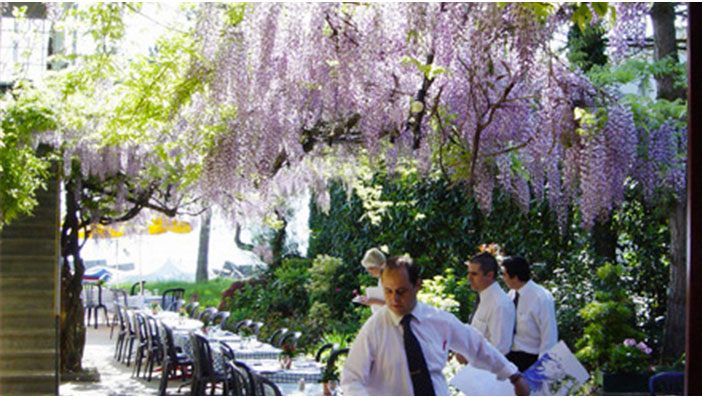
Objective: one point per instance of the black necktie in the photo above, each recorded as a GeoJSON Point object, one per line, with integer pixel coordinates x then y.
{"type": "Point", "coordinates": [516, 303]}
{"type": "Point", "coordinates": [419, 372]}
{"type": "Point", "coordinates": [475, 308]}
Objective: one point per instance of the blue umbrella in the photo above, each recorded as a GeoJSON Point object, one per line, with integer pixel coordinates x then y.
{"type": "Point", "coordinates": [97, 274]}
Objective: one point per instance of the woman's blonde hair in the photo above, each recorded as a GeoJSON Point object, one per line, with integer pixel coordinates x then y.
{"type": "Point", "coordinates": [373, 258]}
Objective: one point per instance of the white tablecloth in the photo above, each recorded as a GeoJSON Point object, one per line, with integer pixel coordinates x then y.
{"type": "Point", "coordinates": [142, 302]}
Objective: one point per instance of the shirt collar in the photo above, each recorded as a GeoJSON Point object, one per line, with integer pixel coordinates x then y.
{"type": "Point", "coordinates": [417, 313]}
{"type": "Point", "coordinates": [489, 290]}
{"type": "Point", "coordinates": [526, 287]}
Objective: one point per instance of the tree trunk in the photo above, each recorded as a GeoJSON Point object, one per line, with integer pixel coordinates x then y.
{"type": "Point", "coordinates": [674, 332]}
{"type": "Point", "coordinates": [72, 327]}
{"type": "Point", "coordinates": [663, 18]}
{"type": "Point", "coordinates": [204, 248]}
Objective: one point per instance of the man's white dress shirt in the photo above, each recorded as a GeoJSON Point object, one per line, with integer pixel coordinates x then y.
{"type": "Point", "coordinates": [377, 364]}
{"type": "Point", "coordinates": [495, 317]}
{"type": "Point", "coordinates": [537, 330]}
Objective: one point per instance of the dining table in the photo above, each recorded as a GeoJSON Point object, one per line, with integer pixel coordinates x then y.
{"type": "Point", "coordinates": [261, 357]}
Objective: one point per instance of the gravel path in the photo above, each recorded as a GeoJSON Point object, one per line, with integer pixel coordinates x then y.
{"type": "Point", "coordinates": [115, 377]}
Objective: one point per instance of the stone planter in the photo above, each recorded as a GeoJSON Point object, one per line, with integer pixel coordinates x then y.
{"type": "Point", "coordinates": [625, 382]}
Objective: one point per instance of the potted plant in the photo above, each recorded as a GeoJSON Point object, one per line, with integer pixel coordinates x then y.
{"type": "Point", "coordinates": [329, 378]}
{"type": "Point", "coordinates": [155, 307]}
{"type": "Point", "coordinates": [287, 355]}
{"type": "Point", "coordinates": [181, 315]}
{"type": "Point", "coordinates": [628, 368]}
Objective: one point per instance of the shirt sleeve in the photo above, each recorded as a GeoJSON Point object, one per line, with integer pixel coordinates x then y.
{"type": "Point", "coordinates": [547, 325]}
{"type": "Point", "coordinates": [501, 327]}
{"type": "Point", "coordinates": [471, 344]}
{"type": "Point", "coordinates": [356, 371]}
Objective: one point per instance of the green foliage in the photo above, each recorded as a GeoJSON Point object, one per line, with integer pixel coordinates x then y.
{"type": "Point", "coordinates": [586, 47]}
{"type": "Point", "coordinates": [22, 168]}
{"type": "Point", "coordinates": [629, 357]}
{"type": "Point", "coordinates": [208, 293]}
{"type": "Point", "coordinates": [289, 282]}
{"type": "Point", "coordinates": [644, 250]}
{"type": "Point", "coordinates": [610, 318]}
{"type": "Point", "coordinates": [434, 293]}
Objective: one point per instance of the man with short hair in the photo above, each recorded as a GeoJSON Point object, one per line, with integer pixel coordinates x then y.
{"type": "Point", "coordinates": [536, 330]}
{"type": "Point", "coordinates": [402, 349]}
{"type": "Point", "coordinates": [494, 315]}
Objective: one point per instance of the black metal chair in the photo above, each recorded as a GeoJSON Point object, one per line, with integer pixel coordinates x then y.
{"type": "Point", "coordinates": [142, 334]}
{"type": "Point", "coordinates": [154, 351]}
{"type": "Point", "coordinates": [137, 287]}
{"type": "Point", "coordinates": [267, 387]}
{"type": "Point", "coordinates": [255, 327]}
{"type": "Point", "coordinates": [242, 323]}
{"type": "Point", "coordinates": [220, 318]}
{"type": "Point", "coordinates": [319, 357]}
{"type": "Point", "coordinates": [252, 386]}
{"type": "Point", "coordinates": [290, 338]}
{"type": "Point", "coordinates": [191, 308]}
{"type": "Point", "coordinates": [227, 351]}
{"type": "Point", "coordinates": [334, 356]}
{"type": "Point", "coordinates": [171, 297]}
{"type": "Point", "coordinates": [667, 383]}
{"type": "Point", "coordinates": [131, 336]}
{"type": "Point", "coordinates": [206, 314]}
{"type": "Point", "coordinates": [172, 362]}
{"type": "Point", "coordinates": [274, 339]}
{"type": "Point", "coordinates": [119, 297]}
{"type": "Point", "coordinates": [93, 302]}
{"type": "Point", "coordinates": [238, 380]}
{"type": "Point", "coordinates": [203, 368]}
{"type": "Point", "coordinates": [123, 330]}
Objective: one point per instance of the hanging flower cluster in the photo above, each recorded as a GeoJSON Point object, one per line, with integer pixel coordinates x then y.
{"type": "Point", "coordinates": [470, 89]}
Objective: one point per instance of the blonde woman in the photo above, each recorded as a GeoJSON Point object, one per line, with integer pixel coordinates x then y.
{"type": "Point", "coordinates": [373, 261]}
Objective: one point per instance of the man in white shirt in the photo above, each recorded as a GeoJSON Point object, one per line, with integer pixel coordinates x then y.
{"type": "Point", "coordinates": [402, 349]}
{"type": "Point", "coordinates": [536, 330]}
{"type": "Point", "coordinates": [494, 316]}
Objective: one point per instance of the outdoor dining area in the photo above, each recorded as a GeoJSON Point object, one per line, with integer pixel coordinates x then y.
{"type": "Point", "coordinates": [189, 349]}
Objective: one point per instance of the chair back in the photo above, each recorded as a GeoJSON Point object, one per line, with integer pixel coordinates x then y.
{"type": "Point", "coordinates": [238, 380]}
{"type": "Point", "coordinates": [202, 356]}
{"type": "Point", "coordinates": [122, 317]}
{"type": "Point", "coordinates": [141, 329]}
{"type": "Point", "coordinates": [170, 298]}
{"type": "Point", "coordinates": [252, 388]}
{"type": "Point", "coordinates": [290, 338]}
{"type": "Point", "coordinates": [119, 297]}
{"type": "Point", "coordinates": [320, 352]}
{"type": "Point", "coordinates": [153, 335]}
{"type": "Point", "coordinates": [335, 356]}
{"type": "Point", "coordinates": [220, 318]}
{"type": "Point", "coordinates": [170, 343]}
{"type": "Point", "coordinates": [93, 294]}
{"type": "Point", "coordinates": [274, 339]}
{"type": "Point", "coordinates": [268, 388]}
{"type": "Point", "coordinates": [207, 314]}
{"type": "Point", "coordinates": [227, 351]}
{"type": "Point", "coordinates": [191, 308]}
{"type": "Point", "coordinates": [667, 383]}
{"type": "Point", "coordinates": [242, 323]}
{"type": "Point", "coordinates": [255, 327]}
{"type": "Point", "coordinates": [137, 287]}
